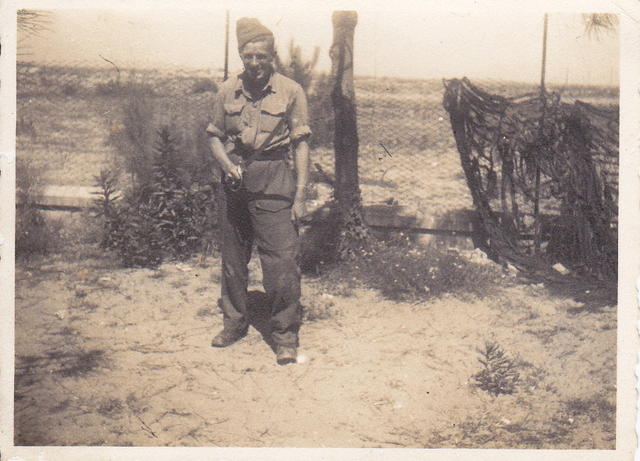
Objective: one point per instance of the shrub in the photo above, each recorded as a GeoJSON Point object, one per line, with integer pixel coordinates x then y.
{"type": "Point", "coordinates": [203, 85]}
{"type": "Point", "coordinates": [403, 272]}
{"type": "Point", "coordinates": [398, 268]}
{"type": "Point", "coordinates": [161, 218]}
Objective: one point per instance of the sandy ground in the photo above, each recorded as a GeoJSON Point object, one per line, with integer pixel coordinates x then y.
{"type": "Point", "coordinates": [113, 356]}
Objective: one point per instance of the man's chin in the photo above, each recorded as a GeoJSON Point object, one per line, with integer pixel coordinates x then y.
{"type": "Point", "coordinates": [259, 78]}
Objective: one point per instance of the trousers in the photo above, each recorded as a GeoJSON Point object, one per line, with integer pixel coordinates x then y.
{"type": "Point", "coordinates": [244, 222]}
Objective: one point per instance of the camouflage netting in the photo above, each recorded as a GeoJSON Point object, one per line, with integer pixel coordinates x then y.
{"type": "Point", "coordinates": [542, 174]}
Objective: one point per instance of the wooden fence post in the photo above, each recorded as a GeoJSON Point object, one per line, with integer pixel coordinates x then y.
{"type": "Point", "coordinates": [353, 232]}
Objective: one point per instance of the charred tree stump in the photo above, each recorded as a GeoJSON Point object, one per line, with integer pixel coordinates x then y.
{"type": "Point", "coordinates": [353, 234]}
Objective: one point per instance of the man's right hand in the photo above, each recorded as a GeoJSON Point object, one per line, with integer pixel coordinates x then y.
{"type": "Point", "coordinates": [234, 172]}
{"type": "Point", "coordinates": [231, 171]}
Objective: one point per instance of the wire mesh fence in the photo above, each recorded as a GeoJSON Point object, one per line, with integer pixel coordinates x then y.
{"type": "Point", "coordinates": [70, 117]}
{"type": "Point", "coordinates": [407, 152]}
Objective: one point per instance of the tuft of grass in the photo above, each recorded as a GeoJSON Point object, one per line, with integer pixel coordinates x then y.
{"type": "Point", "coordinates": [206, 312]}
{"type": "Point", "coordinates": [111, 407]}
{"type": "Point", "coordinates": [83, 363]}
{"type": "Point", "coordinates": [319, 308]}
{"type": "Point", "coordinates": [499, 374]}
{"type": "Point", "coordinates": [595, 408]}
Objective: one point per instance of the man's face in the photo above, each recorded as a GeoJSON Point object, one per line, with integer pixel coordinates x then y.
{"type": "Point", "coordinates": [257, 58]}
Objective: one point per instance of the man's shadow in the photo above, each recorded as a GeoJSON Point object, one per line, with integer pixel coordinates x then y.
{"type": "Point", "coordinates": [259, 315]}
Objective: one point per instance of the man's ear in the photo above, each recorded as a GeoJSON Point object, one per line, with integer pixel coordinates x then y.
{"type": "Point", "coordinates": [276, 63]}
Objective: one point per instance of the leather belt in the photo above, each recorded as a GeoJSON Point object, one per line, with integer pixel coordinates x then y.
{"type": "Point", "coordinates": [277, 154]}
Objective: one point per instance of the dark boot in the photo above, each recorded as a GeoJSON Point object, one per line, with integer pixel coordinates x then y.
{"type": "Point", "coordinates": [227, 338]}
{"type": "Point", "coordinates": [286, 355]}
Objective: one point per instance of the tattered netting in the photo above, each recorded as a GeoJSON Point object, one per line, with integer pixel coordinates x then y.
{"type": "Point", "coordinates": [543, 175]}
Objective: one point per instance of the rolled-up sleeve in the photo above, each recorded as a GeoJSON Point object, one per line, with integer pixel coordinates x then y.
{"type": "Point", "coordinates": [299, 115]}
{"type": "Point", "coordinates": [216, 121]}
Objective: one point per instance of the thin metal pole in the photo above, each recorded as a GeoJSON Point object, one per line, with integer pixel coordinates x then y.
{"type": "Point", "coordinates": [536, 203]}
{"type": "Point", "coordinates": [544, 52]}
{"type": "Point", "coordinates": [226, 47]}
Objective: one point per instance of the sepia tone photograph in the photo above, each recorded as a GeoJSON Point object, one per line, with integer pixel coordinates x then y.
{"type": "Point", "coordinates": [317, 227]}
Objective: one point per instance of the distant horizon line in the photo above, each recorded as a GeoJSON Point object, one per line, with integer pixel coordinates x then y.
{"type": "Point", "coordinates": [220, 71]}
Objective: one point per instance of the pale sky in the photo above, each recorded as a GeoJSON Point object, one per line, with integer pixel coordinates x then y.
{"type": "Point", "coordinates": [411, 43]}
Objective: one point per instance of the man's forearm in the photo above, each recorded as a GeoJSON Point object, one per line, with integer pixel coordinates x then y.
{"type": "Point", "coordinates": [219, 153]}
{"type": "Point", "coordinates": [301, 163]}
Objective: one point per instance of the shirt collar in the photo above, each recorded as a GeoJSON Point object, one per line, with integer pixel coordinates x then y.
{"type": "Point", "coordinates": [269, 87]}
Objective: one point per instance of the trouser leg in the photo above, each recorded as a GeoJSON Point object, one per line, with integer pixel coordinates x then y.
{"type": "Point", "coordinates": [237, 240]}
{"type": "Point", "coordinates": [278, 246]}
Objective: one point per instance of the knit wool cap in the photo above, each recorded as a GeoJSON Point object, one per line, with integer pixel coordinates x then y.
{"type": "Point", "coordinates": [248, 29]}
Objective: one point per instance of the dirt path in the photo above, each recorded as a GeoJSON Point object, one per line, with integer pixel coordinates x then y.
{"type": "Point", "coordinates": [122, 357]}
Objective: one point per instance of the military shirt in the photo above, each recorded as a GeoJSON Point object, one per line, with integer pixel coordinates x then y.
{"type": "Point", "coordinates": [248, 122]}
{"type": "Point", "coordinates": [267, 123]}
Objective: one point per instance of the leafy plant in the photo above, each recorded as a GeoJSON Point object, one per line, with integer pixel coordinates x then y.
{"type": "Point", "coordinates": [162, 218]}
{"type": "Point", "coordinates": [499, 374]}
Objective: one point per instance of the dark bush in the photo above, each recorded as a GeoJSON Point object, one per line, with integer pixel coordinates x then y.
{"type": "Point", "coordinates": [164, 217]}
{"type": "Point", "coordinates": [400, 269]}
{"type": "Point", "coordinates": [406, 272]}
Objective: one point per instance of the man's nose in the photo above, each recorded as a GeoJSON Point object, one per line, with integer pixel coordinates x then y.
{"type": "Point", "coordinates": [253, 61]}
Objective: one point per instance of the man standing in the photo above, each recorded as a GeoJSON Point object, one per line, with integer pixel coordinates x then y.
{"type": "Point", "coordinates": [258, 117]}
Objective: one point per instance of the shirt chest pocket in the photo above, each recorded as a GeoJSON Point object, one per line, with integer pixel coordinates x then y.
{"type": "Point", "coordinates": [233, 117]}
{"type": "Point", "coordinates": [272, 113]}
